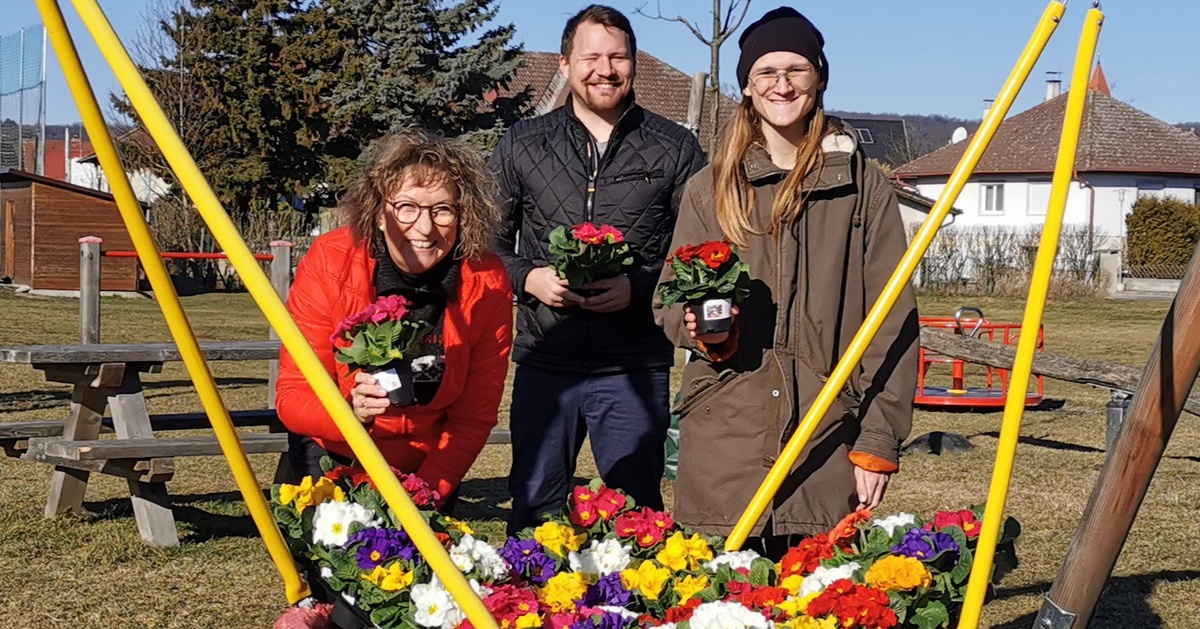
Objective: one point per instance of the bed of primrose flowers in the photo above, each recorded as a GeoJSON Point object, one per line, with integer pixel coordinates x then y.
{"type": "Point", "coordinates": [607, 564]}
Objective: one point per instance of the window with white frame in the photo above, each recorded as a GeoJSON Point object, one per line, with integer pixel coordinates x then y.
{"type": "Point", "coordinates": [992, 201]}
{"type": "Point", "coordinates": [864, 135]}
{"type": "Point", "coordinates": [1039, 197]}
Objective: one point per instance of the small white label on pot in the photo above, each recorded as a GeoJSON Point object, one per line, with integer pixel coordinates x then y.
{"type": "Point", "coordinates": [716, 309]}
{"type": "Point", "coordinates": [388, 379]}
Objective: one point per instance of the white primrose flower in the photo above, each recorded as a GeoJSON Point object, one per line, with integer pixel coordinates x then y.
{"type": "Point", "coordinates": [435, 607]}
{"type": "Point", "coordinates": [735, 560]}
{"type": "Point", "coordinates": [331, 521]}
{"type": "Point", "coordinates": [822, 577]}
{"type": "Point", "coordinates": [471, 554]}
{"type": "Point", "coordinates": [600, 559]}
{"type": "Point", "coordinates": [432, 603]}
{"type": "Point", "coordinates": [893, 522]}
{"type": "Point", "coordinates": [613, 609]}
{"type": "Point", "coordinates": [727, 615]}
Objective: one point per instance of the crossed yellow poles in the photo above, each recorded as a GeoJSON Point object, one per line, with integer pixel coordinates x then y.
{"type": "Point", "coordinates": [227, 236]}
{"type": "Point", "coordinates": [260, 289]}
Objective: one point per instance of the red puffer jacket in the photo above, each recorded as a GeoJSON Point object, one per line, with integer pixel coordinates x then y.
{"type": "Point", "coordinates": [441, 440]}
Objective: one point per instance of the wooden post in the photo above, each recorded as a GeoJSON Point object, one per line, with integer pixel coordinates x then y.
{"type": "Point", "coordinates": [89, 290]}
{"type": "Point", "coordinates": [1168, 378]}
{"type": "Point", "coordinates": [68, 485]}
{"type": "Point", "coordinates": [151, 502]}
{"type": "Point", "coordinates": [1114, 414]}
{"type": "Point", "coordinates": [696, 102]}
{"type": "Point", "coordinates": [281, 279]}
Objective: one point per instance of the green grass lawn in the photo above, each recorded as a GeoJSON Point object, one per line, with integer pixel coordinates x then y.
{"type": "Point", "coordinates": [95, 571]}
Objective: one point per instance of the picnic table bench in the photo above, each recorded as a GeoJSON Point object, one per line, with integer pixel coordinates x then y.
{"type": "Point", "coordinates": [108, 378]}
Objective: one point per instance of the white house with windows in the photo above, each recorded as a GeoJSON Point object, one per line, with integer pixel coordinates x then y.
{"type": "Point", "coordinates": [1123, 153]}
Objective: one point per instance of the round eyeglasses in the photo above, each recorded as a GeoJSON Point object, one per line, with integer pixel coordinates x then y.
{"type": "Point", "coordinates": [766, 79]}
{"type": "Point", "coordinates": [407, 213]}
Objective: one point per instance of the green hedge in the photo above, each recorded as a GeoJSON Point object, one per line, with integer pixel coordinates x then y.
{"type": "Point", "coordinates": [1161, 231]}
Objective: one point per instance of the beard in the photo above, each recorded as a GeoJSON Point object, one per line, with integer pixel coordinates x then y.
{"type": "Point", "coordinates": [598, 100]}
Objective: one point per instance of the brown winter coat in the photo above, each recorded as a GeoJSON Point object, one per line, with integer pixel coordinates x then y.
{"type": "Point", "coordinates": [811, 289]}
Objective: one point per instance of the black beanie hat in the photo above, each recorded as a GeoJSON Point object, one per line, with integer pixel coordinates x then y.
{"type": "Point", "coordinates": [782, 29]}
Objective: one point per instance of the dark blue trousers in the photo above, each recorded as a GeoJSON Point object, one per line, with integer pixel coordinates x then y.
{"type": "Point", "coordinates": [627, 416]}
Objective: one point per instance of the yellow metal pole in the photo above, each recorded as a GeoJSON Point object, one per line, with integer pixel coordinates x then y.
{"type": "Point", "coordinates": [1039, 286]}
{"type": "Point", "coordinates": [226, 234]}
{"type": "Point", "coordinates": [177, 321]}
{"type": "Point", "coordinates": [903, 273]}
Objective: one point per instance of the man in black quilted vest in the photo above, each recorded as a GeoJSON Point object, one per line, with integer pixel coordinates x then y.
{"type": "Point", "coordinates": [593, 365]}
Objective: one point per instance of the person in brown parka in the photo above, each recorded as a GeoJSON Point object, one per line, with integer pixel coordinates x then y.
{"type": "Point", "coordinates": [821, 231]}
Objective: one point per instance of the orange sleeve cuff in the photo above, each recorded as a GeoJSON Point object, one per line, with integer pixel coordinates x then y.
{"type": "Point", "coordinates": [872, 463]}
{"type": "Point", "coordinates": [722, 351]}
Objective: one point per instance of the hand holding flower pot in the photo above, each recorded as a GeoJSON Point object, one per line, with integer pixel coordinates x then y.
{"type": "Point", "coordinates": [587, 253]}
{"type": "Point", "coordinates": [710, 279]}
{"type": "Point", "coordinates": [382, 342]}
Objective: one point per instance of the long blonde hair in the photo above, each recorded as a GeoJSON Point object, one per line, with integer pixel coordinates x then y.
{"type": "Point", "coordinates": [734, 194]}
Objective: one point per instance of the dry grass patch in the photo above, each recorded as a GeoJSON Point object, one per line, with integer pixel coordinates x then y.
{"type": "Point", "coordinates": [95, 572]}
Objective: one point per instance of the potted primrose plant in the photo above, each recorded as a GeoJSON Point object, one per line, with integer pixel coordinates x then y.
{"type": "Point", "coordinates": [709, 278]}
{"type": "Point", "coordinates": [588, 252]}
{"type": "Point", "coordinates": [382, 341]}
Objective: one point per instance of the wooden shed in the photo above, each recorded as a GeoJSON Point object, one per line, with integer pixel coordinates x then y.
{"type": "Point", "coordinates": [43, 220]}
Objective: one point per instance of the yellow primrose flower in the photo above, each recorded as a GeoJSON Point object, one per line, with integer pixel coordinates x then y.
{"type": "Point", "coordinates": [529, 621]}
{"type": "Point", "coordinates": [793, 606]}
{"type": "Point", "coordinates": [390, 579]}
{"type": "Point", "coordinates": [808, 622]}
{"type": "Point", "coordinates": [555, 537]}
{"type": "Point", "coordinates": [648, 579]}
{"type": "Point", "coordinates": [792, 583]}
{"type": "Point", "coordinates": [896, 572]}
{"type": "Point", "coordinates": [458, 525]}
{"type": "Point", "coordinates": [674, 554]}
{"type": "Point", "coordinates": [689, 586]}
{"type": "Point", "coordinates": [698, 550]}
{"type": "Point", "coordinates": [562, 590]}
{"type": "Point", "coordinates": [307, 494]}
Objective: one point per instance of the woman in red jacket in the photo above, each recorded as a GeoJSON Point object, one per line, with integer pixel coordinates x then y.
{"type": "Point", "coordinates": [419, 224]}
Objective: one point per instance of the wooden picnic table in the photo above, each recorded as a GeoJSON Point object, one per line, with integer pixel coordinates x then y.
{"type": "Point", "coordinates": [108, 378]}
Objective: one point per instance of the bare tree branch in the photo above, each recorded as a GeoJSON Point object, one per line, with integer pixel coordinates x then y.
{"type": "Point", "coordinates": [678, 18]}
{"type": "Point", "coordinates": [729, 26]}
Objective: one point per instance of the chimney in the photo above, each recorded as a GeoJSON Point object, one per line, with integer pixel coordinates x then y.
{"type": "Point", "coordinates": [987, 106]}
{"type": "Point", "coordinates": [1053, 85]}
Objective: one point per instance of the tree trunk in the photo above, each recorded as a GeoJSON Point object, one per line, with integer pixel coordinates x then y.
{"type": "Point", "coordinates": [714, 74]}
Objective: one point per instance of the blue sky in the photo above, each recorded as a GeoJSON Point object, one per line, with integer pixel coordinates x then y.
{"type": "Point", "coordinates": [918, 56]}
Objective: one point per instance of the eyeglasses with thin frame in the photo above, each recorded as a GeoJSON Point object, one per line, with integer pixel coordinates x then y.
{"type": "Point", "coordinates": [768, 78]}
{"type": "Point", "coordinates": [407, 212]}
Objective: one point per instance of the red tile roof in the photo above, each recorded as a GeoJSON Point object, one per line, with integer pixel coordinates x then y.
{"type": "Point", "coordinates": [1115, 137]}
{"type": "Point", "coordinates": [1099, 82]}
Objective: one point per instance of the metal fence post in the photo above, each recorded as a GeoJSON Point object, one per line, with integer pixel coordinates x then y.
{"type": "Point", "coordinates": [89, 290]}
{"type": "Point", "coordinates": [281, 279]}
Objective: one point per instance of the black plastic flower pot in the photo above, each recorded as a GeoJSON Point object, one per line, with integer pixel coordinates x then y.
{"type": "Point", "coordinates": [397, 378]}
{"type": "Point", "coordinates": [713, 314]}
{"type": "Point", "coordinates": [344, 615]}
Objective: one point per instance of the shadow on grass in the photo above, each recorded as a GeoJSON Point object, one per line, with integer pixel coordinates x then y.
{"type": "Point", "coordinates": [37, 399]}
{"type": "Point", "coordinates": [1122, 604]}
{"type": "Point", "coordinates": [1053, 444]}
{"type": "Point", "coordinates": [481, 498]}
{"type": "Point", "coordinates": [196, 525]}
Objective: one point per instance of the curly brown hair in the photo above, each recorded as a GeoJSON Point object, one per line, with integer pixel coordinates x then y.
{"type": "Point", "coordinates": [420, 158]}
